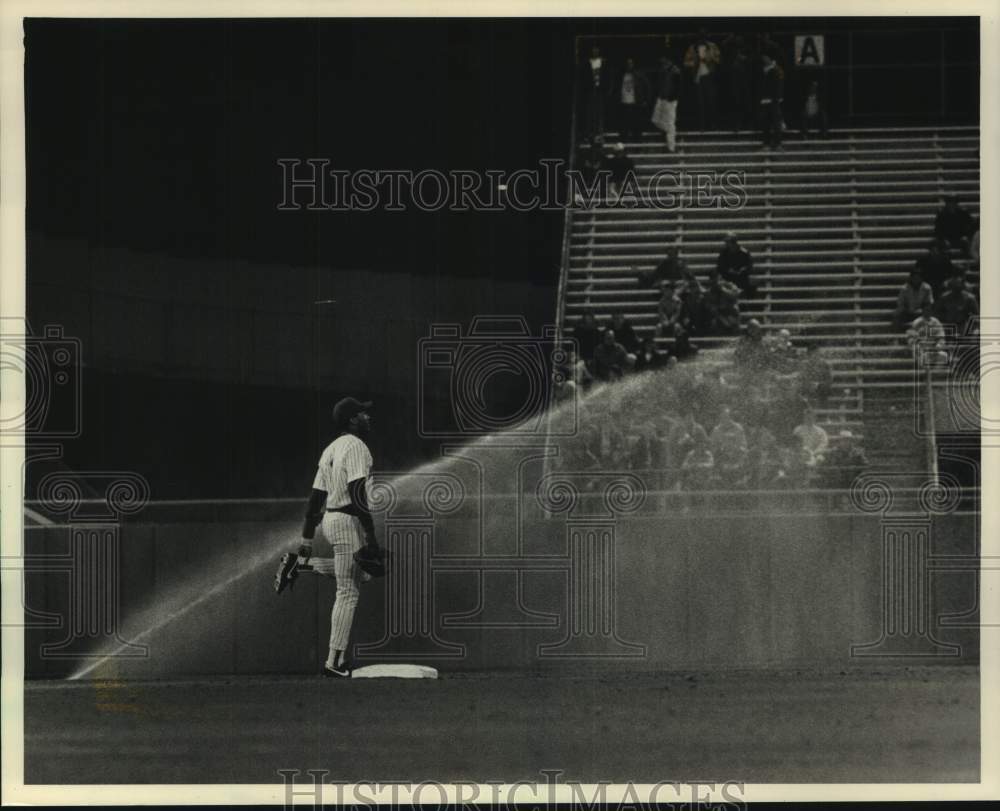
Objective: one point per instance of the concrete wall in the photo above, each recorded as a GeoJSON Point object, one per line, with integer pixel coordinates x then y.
{"type": "Point", "coordinates": [690, 591]}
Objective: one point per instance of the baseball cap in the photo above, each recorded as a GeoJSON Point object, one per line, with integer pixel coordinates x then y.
{"type": "Point", "coordinates": [347, 408]}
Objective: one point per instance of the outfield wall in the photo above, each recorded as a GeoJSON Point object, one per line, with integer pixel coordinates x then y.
{"type": "Point", "coordinates": [672, 592]}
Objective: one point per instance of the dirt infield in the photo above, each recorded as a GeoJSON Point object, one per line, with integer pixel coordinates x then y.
{"type": "Point", "coordinates": [914, 725]}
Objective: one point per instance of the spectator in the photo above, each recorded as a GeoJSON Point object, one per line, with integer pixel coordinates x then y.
{"type": "Point", "coordinates": [670, 269]}
{"type": "Point", "coordinates": [957, 307]}
{"type": "Point", "coordinates": [926, 337]}
{"type": "Point", "coordinates": [815, 377]}
{"type": "Point", "coordinates": [610, 358]}
{"type": "Point", "coordinates": [632, 91]}
{"type": "Point", "coordinates": [624, 333]}
{"type": "Point", "coordinates": [735, 264]}
{"type": "Point", "coordinates": [729, 448]}
{"type": "Point", "coordinates": [669, 310]}
{"type": "Point", "coordinates": [768, 469]}
{"type": "Point", "coordinates": [974, 243]}
{"type": "Point", "coordinates": [722, 306]}
{"type": "Point", "coordinates": [682, 348]}
{"type": "Point", "coordinates": [953, 225]}
{"type": "Point", "coordinates": [844, 462]}
{"type": "Point", "coordinates": [737, 66]}
{"type": "Point", "coordinates": [682, 439]}
{"type": "Point", "coordinates": [813, 440]}
{"type": "Point", "coordinates": [597, 85]}
{"type": "Point", "coordinates": [668, 82]}
{"type": "Point", "coordinates": [586, 335]}
{"type": "Point", "coordinates": [649, 357]}
{"type": "Point", "coordinates": [813, 112]}
{"type": "Point", "coordinates": [935, 267]}
{"type": "Point", "coordinates": [914, 295]}
{"type": "Point", "coordinates": [702, 61]}
{"type": "Point", "coordinates": [771, 95]}
{"type": "Point", "coordinates": [781, 355]}
{"type": "Point", "coordinates": [750, 352]}
{"type": "Point", "coordinates": [697, 467]}
{"type": "Point", "coordinates": [574, 370]}
{"type": "Point", "coordinates": [692, 305]}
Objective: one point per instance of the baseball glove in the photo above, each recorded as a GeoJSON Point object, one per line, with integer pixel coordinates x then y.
{"type": "Point", "coordinates": [372, 560]}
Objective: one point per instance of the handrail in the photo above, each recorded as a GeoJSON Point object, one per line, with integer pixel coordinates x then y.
{"type": "Point", "coordinates": [567, 222]}
{"type": "Point", "coordinates": [930, 429]}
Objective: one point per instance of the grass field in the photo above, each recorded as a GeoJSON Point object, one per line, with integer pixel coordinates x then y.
{"type": "Point", "coordinates": [912, 725]}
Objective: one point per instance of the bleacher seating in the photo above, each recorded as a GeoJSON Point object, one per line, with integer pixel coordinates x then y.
{"type": "Point", "coordinates": [834, 225]}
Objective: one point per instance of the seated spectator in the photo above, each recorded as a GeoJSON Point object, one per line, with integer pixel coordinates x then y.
{"type": "Point", "coordinates": [914, 295]}
{"type": "Point", "coordinates": [692, 305]}
{"type": "Point", "coordinates": [682, 348]}
{"type": "Point", "coordinates": [813, 112]}
{"type": "Point", "coordinates": [644, 447]}
{"type": "Point", "coordinates": [926, 337]}
{"type": "Point", "coordinates": [649, 357]}
{"type": "Point", "coordinates": [574, 370]}
{"type": "Point", "coordinates": [697, 467]}
{"type": "Point", "coordinates": [735, 265]}
{"type": "Point", "coordinates": [935, 267]}
{"type": "Point", "coordinates": [953, 225]}
{"type": "Point", "coordinates": [624, 333]}
{"type": "Point", "coordinates": [767, 465]}
{"type": "Point", "coordinates": [610, 358]}
{"type": "Point", "coordinates": [722, 306]}
{"type": "Point", "coordinates": [682, 439]}
{"type": "Point", "coordinates": [671, 269]}
{"type": "Point", "coordinates": [813, 440]}
{"type": "Point", "coordinates": [844, 462]}
{"type": "Point", "coordinates": [586, 334]}
{"type": "Point", "coordinates": [669, 310]}
{"type": "Point", "coordinates": [750, 353]}
{"type": "Point", "coordinates": [728, 444]}
{"type": "Point", "coordinates": [815, 377]}
{"type": "Point", "coordinates": [957, 307]}
{"type": "Point", "coordinates": [782, 356]}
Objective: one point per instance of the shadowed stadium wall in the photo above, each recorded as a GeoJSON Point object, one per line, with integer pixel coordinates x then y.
{"type": "Point", "coordinates": [694, 591]}
{"type": "Point", "coordinates": [217, 379]}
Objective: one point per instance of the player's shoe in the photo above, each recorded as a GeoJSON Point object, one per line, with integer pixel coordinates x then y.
{"type": "Point", "coordinates": [337, 671]}
{"type": "Point", "coordinates": [288, 570]}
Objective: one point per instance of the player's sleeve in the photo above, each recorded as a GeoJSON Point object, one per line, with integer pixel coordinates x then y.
{"type": "Point", "coordinates": [317, 500]}
{"type": "Point", "coordinates": [357, 461]}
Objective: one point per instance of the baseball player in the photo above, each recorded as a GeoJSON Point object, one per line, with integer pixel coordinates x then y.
{"type": "Point", "coordinates": [340, 500]}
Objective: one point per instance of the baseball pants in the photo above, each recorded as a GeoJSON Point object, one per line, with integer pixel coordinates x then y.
{"type": "Point", "coordinates": [345, 536]}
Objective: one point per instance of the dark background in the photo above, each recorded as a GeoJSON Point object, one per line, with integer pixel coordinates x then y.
{"type": "Point", "coordinates": [154, 236]}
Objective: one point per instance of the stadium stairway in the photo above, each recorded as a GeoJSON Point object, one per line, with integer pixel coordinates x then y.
{"type": "Point", "coordinates": [834, 225]}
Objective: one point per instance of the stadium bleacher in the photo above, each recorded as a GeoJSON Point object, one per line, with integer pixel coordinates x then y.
{"type": "Point", "coordinates": [834, 225]}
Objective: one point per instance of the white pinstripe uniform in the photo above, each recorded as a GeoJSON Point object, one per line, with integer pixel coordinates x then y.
{"type": "Point", "coordinates": [345, 460]}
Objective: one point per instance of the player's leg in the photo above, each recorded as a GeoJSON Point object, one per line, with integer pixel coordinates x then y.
{"type": "Point", "coordinates": [344, 533]}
